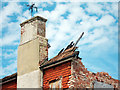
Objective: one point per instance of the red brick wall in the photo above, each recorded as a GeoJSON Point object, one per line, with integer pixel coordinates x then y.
{"type": "Point", "coordinates": [82, 78]}
{"type": "Point", "coordinates": [54, 73]}
{"type": "Point", "coordinates": [10, 85]}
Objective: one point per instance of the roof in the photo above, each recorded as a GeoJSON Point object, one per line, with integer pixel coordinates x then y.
{"type": "Point", "coordinates": [9, 78]}
{"type": "Point", "coordinates": [60, 57]}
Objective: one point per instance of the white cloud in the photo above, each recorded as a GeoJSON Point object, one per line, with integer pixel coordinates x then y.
{"type": "Point", "coordinates": [11, 29]}
{"type": "Point", "coordinates": [9, 69]}
{"type": "Point", "coordinates": [114, 9]}
{"type": "Point", "coordinates": [26, 14]}
{"type": "Point", "coordinates": [105, 20]}
{"type": "Point", "coordinates": [59, 31]}
{"type": "Point", "coordinates": [12, 54]}
{"type": "Point", "coordinates": [94, 8]}
{"type": "Point", "coordinates": [50, 2]}
{"type": "Point", "coordinates": [11, 8]}
{"type": "Point", "coordinates": [61, 1]}
{"type": "Point", "coordinates": [11, 35]}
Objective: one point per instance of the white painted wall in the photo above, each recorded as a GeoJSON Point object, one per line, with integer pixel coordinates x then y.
{"type": "Point", "coordinates": [30, 80]}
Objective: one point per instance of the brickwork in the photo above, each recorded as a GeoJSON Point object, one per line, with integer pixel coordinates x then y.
{"type": "Point", "coordinates": [10, 85]}
{"type": "Point", "coordinates": [41, 29]}
{"type": "Point", "coordinates": [43, 48]}
{"type": "Point", "coordinates": [82, 78]}
{"type": "Point", "coordinates": [59, 72]}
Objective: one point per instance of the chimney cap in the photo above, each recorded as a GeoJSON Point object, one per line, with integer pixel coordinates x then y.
{"type": "Point", "coordinates": [33, 19]}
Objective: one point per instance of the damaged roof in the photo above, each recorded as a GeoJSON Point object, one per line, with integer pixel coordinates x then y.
{"type": "Point", "coordinates": [68, 53]}
{"type": "Point", "coordinates": [63, 54]}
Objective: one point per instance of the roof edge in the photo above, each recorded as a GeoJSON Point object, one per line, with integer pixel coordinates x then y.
{"type": "Point", "coordinates": [8, 78]}
{"type": "Point", "coordinates": [61, 60]}
{"type": "Point", "coordinates": [33, 19]}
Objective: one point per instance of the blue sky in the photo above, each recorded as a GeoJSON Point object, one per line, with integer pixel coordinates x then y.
{"type": "Point", "coordinates": [66, 21]}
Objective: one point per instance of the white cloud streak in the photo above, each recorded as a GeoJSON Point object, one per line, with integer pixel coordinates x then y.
{"type": "Point", "coordinates": [61, 1]}
{"type": "Point", "coordinates": [9, 69]}
{"type": "Point", "coordinates": [7, 11]}
{"type": "Point", "coordinates": [9, 55]}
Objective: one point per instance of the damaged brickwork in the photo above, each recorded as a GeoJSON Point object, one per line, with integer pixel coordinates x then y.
{"type": "Point", "coordinates": [82, 78]}
{"type": "Point", "coordinates": [43, 48]}
{"type": "Point", "coordinates": [74, 75]}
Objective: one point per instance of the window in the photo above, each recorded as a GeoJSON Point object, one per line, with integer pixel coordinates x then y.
{"type": "Point", "coordinates": [55, 85]}
{"type": "Point", "coordinates": [102, 85]}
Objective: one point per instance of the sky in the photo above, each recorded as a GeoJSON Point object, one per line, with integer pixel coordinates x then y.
{"type": "Point", "coordinates": [66, 21]}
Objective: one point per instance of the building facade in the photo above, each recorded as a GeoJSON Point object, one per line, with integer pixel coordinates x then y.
{"type": "Point", "coordinates": [65, 70]}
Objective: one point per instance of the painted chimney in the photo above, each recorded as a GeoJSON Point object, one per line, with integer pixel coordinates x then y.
{"type": "Point", "coordinates": [32, 50]}
{"type": "Point", "coordinates": [32, 28]}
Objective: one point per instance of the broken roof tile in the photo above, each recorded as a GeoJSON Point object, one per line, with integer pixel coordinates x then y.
{"type": "Point", "coordinates": [60, 56]}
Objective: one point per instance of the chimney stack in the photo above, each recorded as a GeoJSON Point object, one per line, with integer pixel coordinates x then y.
{"type": "Point", "coordinates": [32, 28]}
{"type": "Point", "coordinates": [32, 49]}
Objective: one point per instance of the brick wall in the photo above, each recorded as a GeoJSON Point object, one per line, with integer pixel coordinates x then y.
{"type": "Point", "coordinates": [10, 85]}
{"type": "Point", "coordinates": [59, 72]}
{"type": "Point", "coordinates": [82, 78]}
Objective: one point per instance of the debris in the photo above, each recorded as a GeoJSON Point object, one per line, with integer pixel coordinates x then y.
{"type": "Point", "coordinates": [61, 51]}
{"type": "Point", "coordinates": [70, 45]}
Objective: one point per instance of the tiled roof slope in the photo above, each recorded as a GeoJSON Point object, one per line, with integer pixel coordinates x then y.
{"type": "Point", "coordinates": [8, 78]}
{"type": "Point", "coordinates": [66, 53]}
